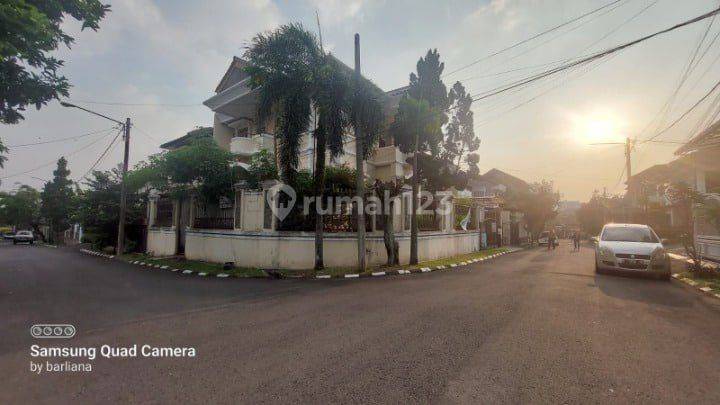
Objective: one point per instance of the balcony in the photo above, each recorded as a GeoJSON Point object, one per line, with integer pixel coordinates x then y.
{"type": "Point", "coordinates": [247, 146]}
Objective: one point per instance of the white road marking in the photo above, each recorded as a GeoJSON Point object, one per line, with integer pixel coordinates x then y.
{"type": "Point", "coordinates": [220, 275]}
{"type": "Point", "coordinates": [352, 275]}
{"type": "Point", "coordinates": [378, 273]}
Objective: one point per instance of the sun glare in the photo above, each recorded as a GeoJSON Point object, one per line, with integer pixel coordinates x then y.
{"type": "Point", "coordinates": [596, 128]}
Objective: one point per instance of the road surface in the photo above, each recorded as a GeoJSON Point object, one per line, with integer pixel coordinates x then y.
{"type": "Point", "coordinates": [533, 326]}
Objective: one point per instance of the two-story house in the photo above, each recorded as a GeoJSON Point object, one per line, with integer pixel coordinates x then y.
{"type": "Point", "coordinates": [236, 128]}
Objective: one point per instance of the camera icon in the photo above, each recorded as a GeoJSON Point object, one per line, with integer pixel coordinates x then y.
{"type": "Point", "coordinates": [52, 331]}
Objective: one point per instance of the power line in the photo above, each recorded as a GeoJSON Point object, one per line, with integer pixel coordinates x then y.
{"type": "Point", "coordinates": [661, 116]}
{"type": "Point", "coordinates": [515, 45]}
{"type": "Point", "coordinates": [54, 161]}
{"type": "Point", "coordinates": [688, 111]}
{"type": "Point", "coordinates": [592, 57]}
{"type": "Point", "coordinates": [102, 155]}
{"type": "Point", "coordinates": [136, 104]}
{"type": "Point", "coordinates": [62, 139]}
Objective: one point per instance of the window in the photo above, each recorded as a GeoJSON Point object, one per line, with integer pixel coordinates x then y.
{"type": "Point", "coordinates": [243, 132]}
{"type": "Point", "coordinates": [623, 234]}
{"type": "Point", "coordinates": [164, 213]}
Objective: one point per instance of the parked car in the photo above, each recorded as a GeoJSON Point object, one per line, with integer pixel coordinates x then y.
{"type": "Point", "coordinates": [544, 237]}
{"type": "Point", "coordinates": [631, 248]}
{"type": "Point", "coordinates": [24, 237]}
{"type": "Point", "coordinates": [8, 236]}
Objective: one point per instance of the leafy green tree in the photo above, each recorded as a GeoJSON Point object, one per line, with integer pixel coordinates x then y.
{"type": "Point", "coordinates": [415, 131]}
{"type": "Point", "coordinates": [428, 102]}
{"type": "Point", "coordinates": [20, 208]}
{"type": "Point", "coordinates": [539, 204]}
{"type": "Point", "coordinates": [58, 199]}
{"type": "Point", "coordinates": [201, 166]}
{"type": "Point", "coordinates": [30, 31]}
{"type": "Point", "coordinates": [427, 85]}
{"type": "Point", "coordinates": [460, 133]}
{"type": "Point", "coordinates": [98, 209]}
{"type": "Point", "coordinates": [294, 78]}
{"type": "Point", "coordinates": [472, 161]}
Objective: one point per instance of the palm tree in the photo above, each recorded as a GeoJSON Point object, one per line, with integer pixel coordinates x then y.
{"type": "Point", "coordinates": [294, 77]}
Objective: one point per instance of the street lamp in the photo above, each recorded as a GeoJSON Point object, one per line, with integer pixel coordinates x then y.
{"type": "Point", "coordinates": [123, 199]}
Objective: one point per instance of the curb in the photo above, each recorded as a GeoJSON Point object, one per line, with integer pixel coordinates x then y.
{"type": "Point", "coordinates": [693, 284]}
{"type": "Point", "coordinates": [459, 266]}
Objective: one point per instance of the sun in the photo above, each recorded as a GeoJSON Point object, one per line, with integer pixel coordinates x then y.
{"type": "Point", "coordinates": [596, 128]}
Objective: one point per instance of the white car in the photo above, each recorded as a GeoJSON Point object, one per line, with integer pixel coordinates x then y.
{"type": "Point", "coordinates": [631, 248]}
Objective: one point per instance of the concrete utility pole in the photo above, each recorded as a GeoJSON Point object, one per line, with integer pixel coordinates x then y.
{"type": "Point", "coordinates": [126, 135]}
{"type": "Point", "coordinates": [628, 149]}
{"type": "Point", "coordinates": [360, 172]}
{"type": "Point", "coordinates": [123, 191]}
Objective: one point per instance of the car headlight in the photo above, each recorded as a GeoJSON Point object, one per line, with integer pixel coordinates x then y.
{"type": "Point", "coordinates": [606, 253]}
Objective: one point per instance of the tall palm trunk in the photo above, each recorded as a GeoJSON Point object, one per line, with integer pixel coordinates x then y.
{"type": "Point", "coordinates": [319, 192]}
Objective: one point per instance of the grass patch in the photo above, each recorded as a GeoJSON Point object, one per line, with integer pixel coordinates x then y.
{"type": "Point", "coordinates": [704, 281]}
{"type": "Point", "coordinates": [341, 271]}
{"type": "Point", "coordinates": [195, 265]}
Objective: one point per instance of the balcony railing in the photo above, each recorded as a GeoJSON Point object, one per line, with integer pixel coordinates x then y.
{"type": "Point", "coordinates": [249, 145]}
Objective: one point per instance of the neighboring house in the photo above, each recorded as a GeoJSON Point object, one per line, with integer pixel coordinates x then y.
{"type": "Point", "coordinates": [648, 201]}
{"type": "Point", "coordinates": [237, 128]}
{"type": "Point", "coordinates": [244, 230]}
{"type": "Point", "coordinates": [503, 224]}
{"type": "Point", "coordinates": [702, 153]}
{"type": "Point", "coordinates": [187, 139]}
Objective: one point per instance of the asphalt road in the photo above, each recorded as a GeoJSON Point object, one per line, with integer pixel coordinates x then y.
{"type": "Point", "coordinates": [533, 326]}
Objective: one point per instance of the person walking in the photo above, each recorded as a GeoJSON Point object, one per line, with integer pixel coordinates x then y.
{"type": "Point", "coordinates": [576, 241]}
{"type": "Point", "coordinates": [552, 237]}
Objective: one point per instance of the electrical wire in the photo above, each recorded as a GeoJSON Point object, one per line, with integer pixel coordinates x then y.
{"type": "Point", "coordinates": [683, 115]}
{"type": "Point", "coordinates": [55, 160]}
{"type": "Point", "coordinates": [515, 45]}
{"type": "Point", "coordinates": [598, 55]}
{"type": "Point", "coordinates": [62, 139]}
{"type": "Point", "coordinates": [102, 155]}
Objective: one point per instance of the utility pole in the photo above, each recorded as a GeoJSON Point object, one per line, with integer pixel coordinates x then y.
{"type": "Point", "coordinates": [628, 149]}
{"type": "Point", "coordinates": [123, 190]}
{"type": "Point", "coordinates": [360, 172]}
{"type": "Point", "coordinates": [629, 146]}
{"type": "Point", "coordinates": [123, 200]}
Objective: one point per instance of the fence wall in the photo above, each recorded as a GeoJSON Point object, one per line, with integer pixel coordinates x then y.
{"type": "Point", "coordinates": [161, 241]}
{"type": "Point", "coordinates": [296, 250]}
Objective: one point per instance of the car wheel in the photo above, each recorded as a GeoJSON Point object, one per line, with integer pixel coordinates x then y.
{"type": "Point", "coordinates": [32, 242]}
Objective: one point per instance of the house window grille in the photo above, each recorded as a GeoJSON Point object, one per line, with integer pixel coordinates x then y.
{"type": "Point", "coordinates": [164, 213]}
{"type": "Point", "coordinates": [214, 215]}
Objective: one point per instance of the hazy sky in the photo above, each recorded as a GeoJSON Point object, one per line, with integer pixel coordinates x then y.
{"type": "Point", "coordinates": [174, 52]}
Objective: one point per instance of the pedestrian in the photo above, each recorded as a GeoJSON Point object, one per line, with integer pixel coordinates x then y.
{"type": "Point", "coordinates": [576, 240]}
{"type": "Point", "coordinates": [552, 237]}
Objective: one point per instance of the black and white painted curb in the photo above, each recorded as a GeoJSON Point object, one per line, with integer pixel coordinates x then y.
{"type": "Point", "coordinates": [694, 284]}
{"type": "Point", "coordinates": [459, 265]}
{"type": "Point", "coordinates": [148, 265]}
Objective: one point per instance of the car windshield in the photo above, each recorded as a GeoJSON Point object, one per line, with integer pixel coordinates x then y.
{"type": "Point", "coordinates": [24, 233]}
{"type": "Point", "coordinates": [621, 234]}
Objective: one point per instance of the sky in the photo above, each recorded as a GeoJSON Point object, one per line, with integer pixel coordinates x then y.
{"type": "Point", "coordinates": [164, 57]}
